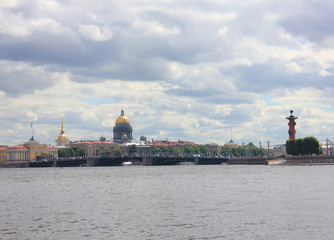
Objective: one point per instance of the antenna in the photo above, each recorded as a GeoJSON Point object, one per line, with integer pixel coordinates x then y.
{"type": "Point", "coordinates": [231, 134]}
{"type": "Point", "coordinates": [32, 130]}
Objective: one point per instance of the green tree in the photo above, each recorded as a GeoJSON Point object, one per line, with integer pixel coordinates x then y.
{"type": "Point", "coordinates": [189, 150]}
{"type": "Point", "coordinates": [44, 156]}
{"type": "Point", "coordinates": [226, 151]}
{"type": "Point", "coordinates": [70, 152]}
{"type": "Point", "coordinates": [133, 148]}
{"type": "Point", "coordinates": [310, 146]}
{"type": "Point", "coordinates": [236, 152]}
{"type": "Point", "coordinates": [298, 146]}
{"type": "Point", "coordinates": [203, 150]}
{"type": "Point", "coordinates": [117, 152]}
{"type": "Point", "coordinates": [290, 146]}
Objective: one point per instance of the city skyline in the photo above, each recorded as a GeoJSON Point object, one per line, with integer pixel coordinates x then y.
{"type": "Point", "coordinates": [181, 70]}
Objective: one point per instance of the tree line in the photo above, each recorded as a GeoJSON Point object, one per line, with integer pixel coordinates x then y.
{"type": "Point", "coordinates": [249, 150]}
{"type": "Point", "coordinates": [303, 146]}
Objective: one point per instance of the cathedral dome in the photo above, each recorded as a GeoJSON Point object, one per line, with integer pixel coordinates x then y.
{"type": "Point", "coordinates": [62, 135]}
{"type": "Point", "coordinates": [122, 119]}
{"type": "Point", "coordinates": [102, 138]}
{"type": "Point", "coordinates": [143, 138]}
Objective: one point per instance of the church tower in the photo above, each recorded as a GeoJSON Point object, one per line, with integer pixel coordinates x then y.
{"type": "Point", "coordinates": [62, 139]}
{"type": "Point", "coordinates": [122, 129]}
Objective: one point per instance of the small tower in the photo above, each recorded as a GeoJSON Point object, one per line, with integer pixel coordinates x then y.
{"type": "Point", "coordinates": [62, 139]}
{"type": "Point", "coordinates": [292, 124]}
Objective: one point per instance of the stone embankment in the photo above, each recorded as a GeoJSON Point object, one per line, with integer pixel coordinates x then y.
{"type": "Point", "coordinates": [302, 160]}
{"type": "Point", "coordinates": [310, 160]}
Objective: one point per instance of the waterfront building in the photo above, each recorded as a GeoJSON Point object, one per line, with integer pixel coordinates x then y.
{"type": "Point", "coordinates": [279, 149]}
{"type": "Point", "coordinates": [213, 148]}
{"type": "Point", "coordinates": [122, 129]}
{"type": "Point", "coordinates": [62, 140]}
{"type": "Point", "coordinates": [231, 144]}
{"type": "Point", "coordinates": [29, 151]}
{"type": "Point", "coordinates": [178, 145]}
{"type": "Point", "coordinates": [95, 148]}
{"type": "Point", "coordinates": [292, 124]}
{"type": "Point", "coordinates": [3, 154]}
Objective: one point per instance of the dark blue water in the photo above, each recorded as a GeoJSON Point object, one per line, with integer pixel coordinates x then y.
{"type": "Point", "coordinates": [168, 202]}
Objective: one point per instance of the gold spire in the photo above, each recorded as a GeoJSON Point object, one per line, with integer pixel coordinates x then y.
{"type": "Point", "coordinates": [62, 123]}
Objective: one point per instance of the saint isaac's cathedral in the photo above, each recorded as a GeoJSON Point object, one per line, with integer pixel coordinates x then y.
{"type": "Point", "coordinates": [122, 129]}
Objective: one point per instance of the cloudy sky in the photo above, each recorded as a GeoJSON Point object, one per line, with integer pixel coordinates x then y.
{"type": "Point", "coordinates": [188, 70]}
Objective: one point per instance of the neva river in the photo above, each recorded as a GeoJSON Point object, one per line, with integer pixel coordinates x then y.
{"type": "Point", "coordinates": [168, 202]}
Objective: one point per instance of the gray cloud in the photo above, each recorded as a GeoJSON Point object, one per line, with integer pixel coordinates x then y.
{"type": "Point", "coordinates": [311, 20]}
{"type": "Point", "coordinates": [189, 66]}
{"type": "Point", "coordinates": [21, 78]}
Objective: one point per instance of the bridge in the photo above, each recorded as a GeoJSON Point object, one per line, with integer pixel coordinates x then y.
{"type": "Point", "coordinates": [171, 160]}
{"type": "Point", "coordinates": [119, 160]}
{"type": "Point", "coordinates": [174, 160]}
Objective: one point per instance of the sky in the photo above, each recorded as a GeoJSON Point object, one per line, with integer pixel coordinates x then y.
{"type": "Point", "coordinates": [181, 70]}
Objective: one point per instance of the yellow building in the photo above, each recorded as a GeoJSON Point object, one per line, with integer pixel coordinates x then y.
{"type": "Point", "coordinates": [2, 154]}
{"type": "Point", "coordinates": [29, 151]}
{"type": "Point", "coordinates": [62, 140]}
{"type": "Point", "coordinates": [95, 148]}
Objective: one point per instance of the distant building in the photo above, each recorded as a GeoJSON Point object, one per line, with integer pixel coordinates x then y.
{"type": "Point", "coordinates": [231, 144]}
{"type": "Point", "coordinates": [3, 154]}
{"type": "Point", "coordinates": [62, 140]}
{"type": "Point", "coordinates": [102, 138]}
{"type": "Point", "coordinates": [122, 129]}
{"type": "Point", "coordinates": [212, 147]}
{"type": "Point", "coordinates": [143, 139]}
{"type": "Point", "coordinates": [179, 145]}
{"type": "Point", "coordinates": [95, 148]}
{"type": "Point", "coordinates": [279, 149]}
{"type": "Point", "coordinates": [29, 151]}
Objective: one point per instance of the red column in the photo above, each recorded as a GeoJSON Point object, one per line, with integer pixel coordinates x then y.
{"type": "Point", "coordinates": [292, 124]}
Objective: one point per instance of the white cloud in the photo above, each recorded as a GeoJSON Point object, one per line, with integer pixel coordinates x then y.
{"type": "Point", "coordinates": [181, 70]}
{"type": "Point", "coordinates": [95, 33]}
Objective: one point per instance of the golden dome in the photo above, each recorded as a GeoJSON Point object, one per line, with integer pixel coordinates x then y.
{"type": "Point", "coordinates": [122, 118]}
{"type": "Point", "coordinates": [62, 135]}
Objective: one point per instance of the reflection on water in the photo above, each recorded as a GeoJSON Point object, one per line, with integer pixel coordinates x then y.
{"type": "Point", "coordinates": [168, 202]}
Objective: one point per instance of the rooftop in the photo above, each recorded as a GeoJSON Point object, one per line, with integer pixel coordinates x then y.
{"type": "Point", "coordinates": [170, 143]}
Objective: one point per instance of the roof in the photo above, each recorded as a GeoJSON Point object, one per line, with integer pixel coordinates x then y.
{"type": "Point", "coordinates": [51, 147]}
{"type": "Point", "coordinates": [92, 142]}
{"type": "Point", "coordinates": [170, 143]}
{"type": "Point", "coordinates": [17, 147]}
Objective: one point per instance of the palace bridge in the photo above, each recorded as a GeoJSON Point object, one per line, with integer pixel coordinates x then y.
{"type": "Point", "coordinates": [175, 160]}
{"type": "Point", "coordinates": [118, 161]}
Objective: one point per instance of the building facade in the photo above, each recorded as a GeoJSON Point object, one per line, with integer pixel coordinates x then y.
{"type": "Point", "coordinates": [95, 148]}
{"type": "Point", "coordinates": [231, 144]}
{"type": "Point", "coordinates": [29, 151]}
{"type": "Point", "coordinates": [122, 129]}
{"type": "Point", "coordinates": [177, 145]}
{"type": "Point", "coordinates": [3, 154]}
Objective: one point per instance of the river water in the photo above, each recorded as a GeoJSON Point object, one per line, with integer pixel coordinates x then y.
{"type": "Point", "coordinates": [168, 202]}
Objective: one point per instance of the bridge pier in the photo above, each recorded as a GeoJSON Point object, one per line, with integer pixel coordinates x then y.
{"type": "Point", "coordinates": [147, 161]}
{"type": "Point", "coordinates": [91, 162]}
{"type": "Point", "coordinates": [196, 161]}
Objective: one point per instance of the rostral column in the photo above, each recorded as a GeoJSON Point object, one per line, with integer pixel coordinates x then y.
{"type": "Point", "coordinates": [292, 124]}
